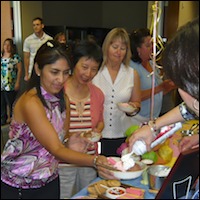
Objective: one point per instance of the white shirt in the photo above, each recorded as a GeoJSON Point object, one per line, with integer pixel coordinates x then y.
{"type": "Point", "coordinates": [119, 91]}
{"type": "Point", "coordinates": [31, 44]}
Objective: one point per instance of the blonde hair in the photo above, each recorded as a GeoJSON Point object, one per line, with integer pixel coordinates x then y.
{"type": "Point", "coordinates": [114, 34]}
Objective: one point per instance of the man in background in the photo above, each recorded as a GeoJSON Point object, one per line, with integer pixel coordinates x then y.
{"type": "Point", "coordinates": [31, 45]}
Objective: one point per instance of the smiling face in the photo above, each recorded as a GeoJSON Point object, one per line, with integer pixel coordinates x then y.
{"type": "Point", "coordinates": [117, 51]}
{"type": "Point", "coordinates": [85, 70]}
{"type": "Point", "coordinates": [53, 76]}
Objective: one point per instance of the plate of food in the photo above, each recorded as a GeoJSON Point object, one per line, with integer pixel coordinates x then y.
{"type": "Point", "coordinates": [91, 135]}
{"type": "Point", "coordinates": [126, 107]}
{"type": "Point", "coordinates": [132, 173]}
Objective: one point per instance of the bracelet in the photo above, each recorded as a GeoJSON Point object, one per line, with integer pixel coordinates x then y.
{"type": "Point", "coordinates": [134, 113]}
{"type": "Point", "coordinates": [152, 126]}
{"type": "Point", "coordinates": [95, 162]}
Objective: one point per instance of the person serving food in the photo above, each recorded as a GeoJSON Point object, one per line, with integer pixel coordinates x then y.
{"type": "Point", "coordinates": [181, 65]}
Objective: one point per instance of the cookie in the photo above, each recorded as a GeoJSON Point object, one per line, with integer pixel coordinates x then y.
{"type": "Point", "coordinates": [100, 190]}
{"type": "Point", "coordinates": [113, 183]}
{"type": "Point", "coordinates": [92, 190]}
{"type": "Point", "coordinates": [103, 182]}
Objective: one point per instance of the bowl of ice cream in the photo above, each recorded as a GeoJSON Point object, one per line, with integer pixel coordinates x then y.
{"type": "Point", "coordinates": [125, 107]}
{"type": "Point", "coordinates": [132, 173]}
{"type": "Point", "coordinates": [91, 135]}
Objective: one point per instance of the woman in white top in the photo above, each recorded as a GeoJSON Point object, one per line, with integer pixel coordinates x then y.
{"type": "Point", "coordinates": [119, 83]}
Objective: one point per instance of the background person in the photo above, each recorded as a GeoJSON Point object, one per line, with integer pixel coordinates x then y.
{"type": "Point", "coordinates": [86, 113]}
{"type": "Point", "coordinates": [32, 43]}
{"type": "Point", "coordinates": [62, 39]}
{"type": "Point", "coordinates": [29, 162]}
{"type": "Point", "coordinates": [11, 71]}
{"type": "Point", "coordinates": [181, 65]}
{"type": "Point", "coordinates": [119, 83]}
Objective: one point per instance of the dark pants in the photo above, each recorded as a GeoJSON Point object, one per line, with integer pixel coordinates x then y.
{"type": "Point", "coordinates": [109, 146]}
{"type": "Point", "coordinates": [49, 191]}
{"type": "Point", "coordinates": [7, 98]}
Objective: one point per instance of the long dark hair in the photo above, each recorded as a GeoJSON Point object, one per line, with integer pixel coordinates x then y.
{"type": "Point", "coordinates": [181, 58]}
{"type": "Point", "coordinates": [48, 53]}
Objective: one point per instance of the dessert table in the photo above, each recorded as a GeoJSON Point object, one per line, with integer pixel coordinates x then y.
{"type": "Point", "coordinates": [137, 182]}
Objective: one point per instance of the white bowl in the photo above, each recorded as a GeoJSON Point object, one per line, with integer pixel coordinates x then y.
{"type": "Point", "coordinates": [115, 192]}
{"type": "Point", "coordinates": [129, 174]}
{"type": "Point", "coordinates": [125, 107]}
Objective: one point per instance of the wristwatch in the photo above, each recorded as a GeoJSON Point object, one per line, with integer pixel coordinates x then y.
{"type": "Point", "coordinates": [65, 141]}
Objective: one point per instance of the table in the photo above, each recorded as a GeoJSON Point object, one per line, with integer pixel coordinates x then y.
{"type": "Point", "coordinates": [173, 143]}
{"type": "Point", "coordinates": [134, 182]}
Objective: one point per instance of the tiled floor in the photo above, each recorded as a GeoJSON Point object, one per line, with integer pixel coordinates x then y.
{"type": "Point", "coordinates": [4, 135]}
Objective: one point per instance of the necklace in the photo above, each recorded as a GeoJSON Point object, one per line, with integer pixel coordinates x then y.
{"type": "Point", "coordinates": [79, 101]}
{"type": "Point", "coordinates": [80, 105]}
{"type": "Point", "coordinates": [80, 108]}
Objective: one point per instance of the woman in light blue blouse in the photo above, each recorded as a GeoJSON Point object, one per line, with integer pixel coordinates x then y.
{"type": "Point", "coordinates": [141, 47]}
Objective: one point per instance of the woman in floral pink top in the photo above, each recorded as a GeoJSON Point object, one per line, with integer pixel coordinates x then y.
{"type": "Point", "coordinates": [29, 162]}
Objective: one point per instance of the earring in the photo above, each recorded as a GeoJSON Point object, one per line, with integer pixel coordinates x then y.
{"type": "Point", "coordinates": [38, 74]}
{"type": "Point", "coordinates": [195, 105]}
